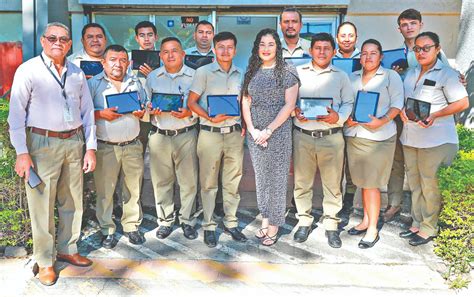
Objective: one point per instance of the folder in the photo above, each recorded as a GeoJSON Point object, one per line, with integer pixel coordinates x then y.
{"type": "Point", "coordinates": [366, 103]}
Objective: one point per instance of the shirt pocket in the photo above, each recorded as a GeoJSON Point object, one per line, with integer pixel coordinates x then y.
{"type": "Point", "coordinates": [428, 93]}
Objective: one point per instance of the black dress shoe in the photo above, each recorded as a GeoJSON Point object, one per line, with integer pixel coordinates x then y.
{"type": "Point", "coordinates": [301, 235]}
{"type": "Point", "coordinates": [210, 238]}
{"type": "Point", "coordinates": [135, 237]}
{"type": "Point", "coordinates": [163, 231]}
{"type": "Point", "coordinates": [354, 231]}
{"type": "Point", "coordinates": [407, 234]}
{"type": "Point", "coordinates": [368, 244]}
{"type": "Point", "coordinates": [109, 241]}
{"type": "Point", "coordinates": [189, 231]}
{"type": "Point", "coordinates": [334, 240]}
{"type": "Point", "coordinates": [236, 234]}
{"type": "Point", "coordinates": [417, 240]}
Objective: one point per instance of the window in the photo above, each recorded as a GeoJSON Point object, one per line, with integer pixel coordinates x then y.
{"type": "Point", "coordinates": [120, 29]}
{"type": "Point", "coordinates": [12, 22]}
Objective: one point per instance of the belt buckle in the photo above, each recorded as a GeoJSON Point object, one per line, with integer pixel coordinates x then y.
{"type": "Point", "coordinates": [316, 134]}
{"type": "Point", "coordinates": [225, 130]}
{"type": "Point", "coordinates": [175, 132]}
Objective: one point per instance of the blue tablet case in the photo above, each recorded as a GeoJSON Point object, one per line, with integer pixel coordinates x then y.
{"type": "Point", "coordinates": [366, 103]}
{"type": "Point", "coordinates": [140, 57]}
{"type": "Point", "coordinates": [395, 57]}
{"type": "Point", "coordinates": [417, 110]}
{"type": "Point", "coordinates": [126, 102]}
{"type": "Point", "coordinates": [196, 61]}
{"type": "Point", "coordinates": [297, 61]}
{"type": "Point", "coordinates": [348, 65]}
{"type": "Point", "coordinates": [312, 107]}
{"type": "Point", "coordinates": [167, 102]}
{"type": "Point", "coordinates": [223, 104]}
{"type": "Point", "coordinates": [91, 67]}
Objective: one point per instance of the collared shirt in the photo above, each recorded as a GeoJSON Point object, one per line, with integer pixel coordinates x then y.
{"type": "Point", "coordinates": [301, 49]}
{"type": "Point", "coordinates": [447, 89]}
{"type": "Point", "coordinates": [389, 85]}
{"type": "Point", "coordinates": [160, 81]}
{"type": "Point", "coordinates": [126, 127]}
{"type": "Point", "coordinates": [355, 54]}
{"type": "Point", "coordinates": [330, 82]}
{"type": "Point", "coordinates": [194, 51]}
{"type": "Point", "coordinates": [79, 56]}
{"type": "Point", "coordinates": [413, 62]}
{"type": "Point", "coordinates": [36, 101]}
{"type": "Point", "coordinates": [212, 80]}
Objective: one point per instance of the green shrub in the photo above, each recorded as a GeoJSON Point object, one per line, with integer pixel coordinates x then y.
{"type": "Point", "coordinates": [455, 241]}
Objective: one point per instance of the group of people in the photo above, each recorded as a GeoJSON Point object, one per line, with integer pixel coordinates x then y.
{"type": "Point", "coordinates": [56, 110]}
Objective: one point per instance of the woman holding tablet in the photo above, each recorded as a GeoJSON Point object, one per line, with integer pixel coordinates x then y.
{"type": "Point", "coordinates": [431, 142]}
{"type": "Point", "coordinates": [269, 94]}
{"type": "Point", "coordinates": [371, 139]}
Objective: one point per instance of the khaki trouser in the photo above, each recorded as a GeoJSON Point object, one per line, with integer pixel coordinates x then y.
{"type": "Point", "coordinates": [422, 166]}
{"type": "Point", "coordinates": [111, 161]}
{"type": "Point", "coordinates": [327, 154]}
{"type": "Point", "coordinates": [397, 175]}
{"type": "Point", "coordinates": [215, 150]}
{"type": "Point", "coordinates": [170, 157]}
{"type": "Point", "coordinates": [58, 163]}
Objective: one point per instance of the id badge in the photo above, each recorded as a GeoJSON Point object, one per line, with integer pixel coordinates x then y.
{"type": "Point", "coordinates": [67, 113]}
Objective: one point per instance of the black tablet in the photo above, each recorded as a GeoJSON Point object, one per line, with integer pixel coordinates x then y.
{"type": "Point", "coordinates": [140, 57]}
{"type": "Point", "coordinates": [312, 107]}
{"type": "Point", "coordinates": [395, 57]}
{"type": "Point", "coordinates": [417, 110]}
{"type": "Point", "coordinates": [34, 180]}
{"type": "Point", "coordinates": [167, 102]}
{"type": "Point", "coordinates": [348, 65]}
{"type": "Point", "coordinates": [91, 67]}
{"type": "Point", "coordinates": [126, 102]}
{"type": "Point", "coordinates": [297, 61]}
{"type": "Point", "coordinates": [366, 103]}
{"type": "Point", "coordinates": [196, 61]}
{"type": "Point", "coordinates": [223, 104]}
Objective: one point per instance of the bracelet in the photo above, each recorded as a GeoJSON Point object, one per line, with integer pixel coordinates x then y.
{"type": "Point", "coordinates": [268, 131]}
{"type": "Point", "coordinates": [387, 117]}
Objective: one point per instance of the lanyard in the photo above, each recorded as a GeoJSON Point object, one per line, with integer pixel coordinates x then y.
{"type": "Point", "coordinates": [63, 84]}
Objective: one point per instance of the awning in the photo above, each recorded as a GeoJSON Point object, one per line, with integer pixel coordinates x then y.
{"type": "Point", "coordinates": [191, 3]}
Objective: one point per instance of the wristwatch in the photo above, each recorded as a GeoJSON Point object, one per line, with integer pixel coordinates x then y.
{"type": "Point", "coordinates": [268, 131]}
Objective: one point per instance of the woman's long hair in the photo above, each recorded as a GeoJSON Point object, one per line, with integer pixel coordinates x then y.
{"type": "Point", "coordinates": [255, 62]}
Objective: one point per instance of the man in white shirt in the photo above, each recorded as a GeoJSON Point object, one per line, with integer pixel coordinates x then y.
{"type": "Point", "coordinates": [292, 44]}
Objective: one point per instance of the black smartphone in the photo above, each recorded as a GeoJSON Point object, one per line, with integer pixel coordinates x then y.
{"type": "Point", "coordinates": [34, 180]}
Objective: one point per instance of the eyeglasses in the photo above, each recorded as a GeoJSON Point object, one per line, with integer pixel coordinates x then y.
{"type": "Point", "coordinates": [54, 39]}
{"type": "Point", "coordinates": [425, 48]}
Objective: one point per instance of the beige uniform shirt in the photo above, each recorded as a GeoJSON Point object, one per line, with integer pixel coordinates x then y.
{"type": "Point", "coordinates": [355, 54]}
{"type": "Point", "coordinates": [446, 89]}
{"type": "Point", "coordinates": [160, 81]}
{"type": "Point", "coordinates": [388, 83]}
{"type": "Point", "coordinates": [301, 49]}
{"type": "Point", "coordinates": [126, 127]}
{"type": "Point", "coordinates": [212, 80]}
{"type": "Point", "coordinates": [331, 83]}
{"type": "Point", "coordinates": [194, 51]}
{"type": "Point", "coordinates": [36, 101]}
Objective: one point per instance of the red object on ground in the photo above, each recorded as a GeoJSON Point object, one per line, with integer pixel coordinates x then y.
{"type": "Point", "coordinates": [10, 58]}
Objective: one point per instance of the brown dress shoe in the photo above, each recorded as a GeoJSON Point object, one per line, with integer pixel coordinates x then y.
{"type": "Point", "coordinates": [47, 276]}
{"type": "Point", "coordinates": [75, 259]}
{"type": "Point", "coordinates": [391, 213]}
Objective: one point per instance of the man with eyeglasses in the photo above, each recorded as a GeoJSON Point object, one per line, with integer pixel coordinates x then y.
{"type": "Point", "coordinates": [51, 117]}
{"type": "Point", "coordinates": [292, 44]}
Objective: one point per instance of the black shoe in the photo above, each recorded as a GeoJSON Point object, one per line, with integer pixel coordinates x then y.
{"type": "Point", "coordinates": [407, 234]}
{"type": "Point", "coordinates": [236, 234]}
{"type": "Point", "coordinates": [334, 240]}
{"type": "Point", "coordinates": [135, 237]}
{"type": "Point", "coordinates": [219, 210]}
{"type": "Point", "coordinates": [109, 241]}
{"type": "Point", "coordinates": [188, 231]}
{"type": "Point", "coordinates": [210, 238]}
{"type": "Point", "coordinates": [354, 231]}
{"type": "Point", "coordinates": [301, 235]}
{"type": "Point", "coordinates": [368, 244]}
{"type": "Point", "coordinates": [163, 231]}
{"type": "Point", "coordinates": [417, 240]}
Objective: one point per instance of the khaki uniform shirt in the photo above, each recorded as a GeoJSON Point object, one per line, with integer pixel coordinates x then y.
{"type": "Point", "coordinates": [301, 49]}
{"type": "Point", "coordinates": [194, 51]}
{"type": "Point", "coordinates": [79, 56]}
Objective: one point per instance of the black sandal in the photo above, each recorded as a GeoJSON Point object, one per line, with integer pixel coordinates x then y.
{"type": "Point", "coordinates": [272, 239]}
{"type": "Point", "coordinates": [261, 231]}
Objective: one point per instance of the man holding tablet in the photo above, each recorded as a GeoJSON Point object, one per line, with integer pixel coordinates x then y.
{"type": "Point", "coordinates": [221, 140]}
{"type": "Point", "coordinates": [118, 148]}
{"type": "Point", "coordinates": [319, 143]}
{"type": "Point", "coordinates": [173, 140]}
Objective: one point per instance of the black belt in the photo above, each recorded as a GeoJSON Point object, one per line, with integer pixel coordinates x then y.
{"type": "Point", "coordinates": [318, 133]}
{"type": "Point", "coordinates": [173, 132]}
{"type": "Point", "coordinates": [222, 130]}
{"type": "Point", "coordinates": [124, 143]}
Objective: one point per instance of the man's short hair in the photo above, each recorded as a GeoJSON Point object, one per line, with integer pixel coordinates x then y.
{"type": "Point", "coordinates": [204, 23]}
{"type": "Point", "coordinates": [409, 14]}
{"type": "Point", "coordinates": [291, 9]}
{"type": "Point", "coordinates": [169, 39]}
{"type": "Point", "coordinates": [145, 24]}
{"type": "Point", "coordinates": [224, 36]}
{"type": "Point", "coordinates": [115, 48]}
{"type": "Point", "coordinates": [57, 24]}
{"type": "Point", "coordinates": [323, 36]}
{"type": "Point", "coordinates": [346, 23]}
{"type": "Point", "coordinates": [92, 25]}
